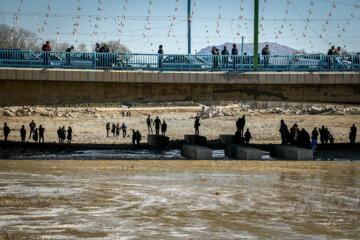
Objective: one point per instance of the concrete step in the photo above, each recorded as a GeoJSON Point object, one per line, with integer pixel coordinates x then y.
{"type": "Point", "coordinates": [226, 139]}
{"type": "Point", "coordinates": [288, 152]}
{"type": "Point", "coordinates": [195, 139]}
{"type": "Point", "coordinates": [158, 141]}
{"type": "Point", "coordinates": [196, 152]}
{"type": "Point", "coordinates": [243, 152]}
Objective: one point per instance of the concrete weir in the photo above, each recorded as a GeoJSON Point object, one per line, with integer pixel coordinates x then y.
{"type": "Point", "coordinates": [243, 152]}
{"type": "Point", "coordinates": [226, 139]}
{"type": "Point", "coordinates": [195, 139]}
{"type": "Point", "coordinates": [158, 141]}
{"type": "Point", "coordinates": [196, 152]}
{"type": "Point", "coordinates": [291, 152]}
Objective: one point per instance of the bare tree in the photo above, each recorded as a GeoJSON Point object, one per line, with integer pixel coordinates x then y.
{"type": "Point", "coordinates": [82, 47]}
{"type": "Point", "coordinates": [61, 47]}
{"type": "Point", "coordinates": [18, 39]}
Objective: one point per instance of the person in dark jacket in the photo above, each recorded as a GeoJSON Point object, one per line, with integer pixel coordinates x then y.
{"type": "Point", "coordinates": [68, 54]}
{"type": "Point", "coordinates": [314, 134]}
{"type": "Point", "coordinates": [59, 133]}
{"type": "Point", "coordinates": [69, 135]}
{"type": "Point", "coordinates": [157, 123]}
{"type": "Point", "coordinates": [41, 133]}
{"type": "Point", "coordinates": [284, 132]}
{"type": "Point", "coordinates": [225, 57]}
{"type": "Point", "coordinates": [247, 136]}
{"type": "Point", "coordinates": [352, 134]}
{"type": "Point", "coordinates": [148, 122]}
{"type": "Point", "coordinates": [329, 57]}
{"type": "Point", "coordinates": [240, 124]}
{"type": "Point", "coordinates": [32, 126]}
{"type": "Point", "coordinates": [215, 53]}
{"type": "Point", "coordinates": [266, 55]}
{"type": "Point", "coordinates": [138, 138]}
{"type": "Point", "coordinates": [160, 57]}
{"type": "Point", "coordinates": [23, 133]}
{"type": "Point", "coordinates": [197, 125]}
{"type": "Point", "coordinates": [6, 131]}
{"type": "Point", "coordinates": [123, 128]}
{"type": "Point", "coordinates": [234, 54]}
{"type": "Point", "coordinates": [163, 128]}
{"type": "Point", "coordinates": [107, 129]}
{"type": "Point", "coordinates": [36, 135]}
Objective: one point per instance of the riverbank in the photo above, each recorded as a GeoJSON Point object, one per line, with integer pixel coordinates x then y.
{"type": "Point", "coordinates": [80, 151]}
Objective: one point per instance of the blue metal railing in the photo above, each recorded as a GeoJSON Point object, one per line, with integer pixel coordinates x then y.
{"type": "Point", "coordinates": [129, 61]}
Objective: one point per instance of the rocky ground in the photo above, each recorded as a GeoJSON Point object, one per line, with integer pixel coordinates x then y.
{"type": "Point", "coordinates": [88, 124]}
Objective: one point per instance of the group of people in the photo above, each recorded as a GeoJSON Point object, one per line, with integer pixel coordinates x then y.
{"type": "Point", "coordinates": [115, 129]}
{"type": "Point", "coordinates": [240, 136]}
{"type": "Point", "coordinates": [157, 123]}
{"type": "Point", "coordinates": [38, 134]}
{"type": "Point", "coordinates": [265, 52]}
{"type": "Point", "coordinates": [61, 132]}
{"type": "Point", "coordinates": [301, 138]}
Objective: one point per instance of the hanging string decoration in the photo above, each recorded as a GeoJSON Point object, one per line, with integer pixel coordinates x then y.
{"type": "Point", "coordinates": [262, 19]}
{"type": "Point", "coordinates": [147, 24]}
{"type": "Point", "coordinates": [77, 21]}
{"type": "Point", "coordinates": [219, 20]}
{"type": "Point", "coordinates": [45, 23]}
{"type": "Point", "coordinates": [38, 27]}
{"type": "Point", "coordinates": [91, 34]}
{"type": "Point", "coordinates": [240, 18]}
{"type": "Point", "coordinates": [15, 28]}
{"type": "Point", "coordinates": [121, 24]}
{"type": "Point", "coordinates": [326, 23]}
{"type": "Point", "coordinates": [57, 30]}
{"type": "Point", "coordinates": [98, 17]}
{"type": "Point", "coordinates": [342, 30]}
{"type": "Point", "coordinates": [172, 19]}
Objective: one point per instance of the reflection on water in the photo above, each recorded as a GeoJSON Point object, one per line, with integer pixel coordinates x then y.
{"type": "Point", "coordinates": [180, 199]}
{"type": "Point", "coordinates": [126, 154]}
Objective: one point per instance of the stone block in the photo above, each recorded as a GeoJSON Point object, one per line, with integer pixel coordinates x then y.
{"type": "Point", "coordinates": [123, 76]}
{"type": "Point", "coordinates": [76, 75]}
{"type": "Point", "coordinates": [193, 77]}
{"type": "Point", "coordinates": [243, 152]}
{"type": "Point", "coordinates": [196, 152]}
{"type": "Point", "coordinates": [226, 139]}
{"type": "Point", "coordinates": [162, 77]}
{"type": "Point", "coordinates": [301, 77]}
{"type": "Point", "coordinates": [288, 152]}
{"type": "Point", "coordinates": [60, 75]}
{"type": "Point", "coordinates": [107, 76]}
{"type": "Point", "coordinates": [52, 74]}
{"type": "Point", "coordinates": [154, 77]}
{"type": "Point", "coordinates": [158, 141]}
{"type": "Point", "coordinates": [195, 139]}
{"type": "Point", "coordinates": [84, 76]}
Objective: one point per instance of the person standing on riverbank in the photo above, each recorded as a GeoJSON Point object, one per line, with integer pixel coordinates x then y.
{"type": "Point", "coordinates": [32, 126]}
{"type": "Point", "coordinates": [352, 135]}
{"type": "Point", "coordinates": [123, 127]}
{"type": "Point", "coordinates": [36, 135]}
{"type": "Point", "coordinates": [69, 135]}
{"type": "Point", "coordinates": [247, 136]}
{"type": "Point", "coordinates": [284, 131]}
{"type": "Point", "coordinates": [41, 133]}
{"type": "Point", "coordinates": [197, 125]}
{"type": "Point", "coordinates": [138, 138]}
{"type": "Point", "coordinates": [148, 122]}
{"type": "Point", "coordinates": [23, 133]}
{"type": "Point", "coordinates": [6, 131]}
{"type": "Point", "coordinates": [157, 123]}
{"type": "Point", "coordinates": [133, 137]}
{"type": "Point", "coordinates": [107, 129]}
{"type": "Point", "coordinates": [163, 128]}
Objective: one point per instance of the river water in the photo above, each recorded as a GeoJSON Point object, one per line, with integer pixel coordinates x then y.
{"type": "Point", "coordinates": [180, 199]}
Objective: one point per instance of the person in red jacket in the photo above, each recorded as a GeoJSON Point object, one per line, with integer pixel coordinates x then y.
{"type": "Point", "coordinates": [46, 48]}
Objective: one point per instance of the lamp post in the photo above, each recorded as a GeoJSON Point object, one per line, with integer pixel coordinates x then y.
{"type": "Point", "coordinates": [256, 33]}
{"type": "Point", "coordinates": [189, 27]}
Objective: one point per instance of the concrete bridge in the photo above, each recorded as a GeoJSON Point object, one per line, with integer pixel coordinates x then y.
{"type": "Point", "coordinates": [24, 86]}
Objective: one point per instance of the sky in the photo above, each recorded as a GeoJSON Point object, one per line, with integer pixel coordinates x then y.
{"type": "Point", "coordinates": [142, 25]}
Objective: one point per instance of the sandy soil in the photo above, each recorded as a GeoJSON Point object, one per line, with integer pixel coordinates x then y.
{"type": "Point", "coordinates": [88, 128]}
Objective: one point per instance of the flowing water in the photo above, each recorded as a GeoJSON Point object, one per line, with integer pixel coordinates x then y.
{"type": "Point", "coordinates": [180, 199]}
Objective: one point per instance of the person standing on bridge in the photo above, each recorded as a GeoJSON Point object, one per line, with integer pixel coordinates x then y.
{"type": "Point", "coordinates": [225, 57]}
{"type": "Point", "coordinates": [197, 125]}
{"type": "Point", "coordinates": [157, 123]}
{"type": "Point", "coordinates": [23, 133]}
{"type": "Point", "coordinates": [163, 128]}
{"type": "Point", "coordinates": [46, 48]}
{"type": "Point", "coordinates": [32, 126]}
{"type": "Point", "coordinates": [234, 54]}
{"type": "Point", "coordinates": [68, 55]}
{"type": "Point", "coordinates": [266, 53]}
{"type": "Point", "coordinates": [6, 131]}
{"type": "Point", "coordinates": [337, 51]}
{"type": "Point", "coordinates": [148, 122]}
{"type": "Point", "coordinates": [160, 55]}
{"type": "Point", "coordinates": [215, 53]}
{"type": "Point", "coordinates": [330, 53]}
{"type": "Point", "coordinates": [352, 135]}
{"type": "Point", "coordinates": [41, 133]}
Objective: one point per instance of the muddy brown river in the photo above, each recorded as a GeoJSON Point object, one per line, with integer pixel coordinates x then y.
{"type": "Point", "coordinates": [64, 199]}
